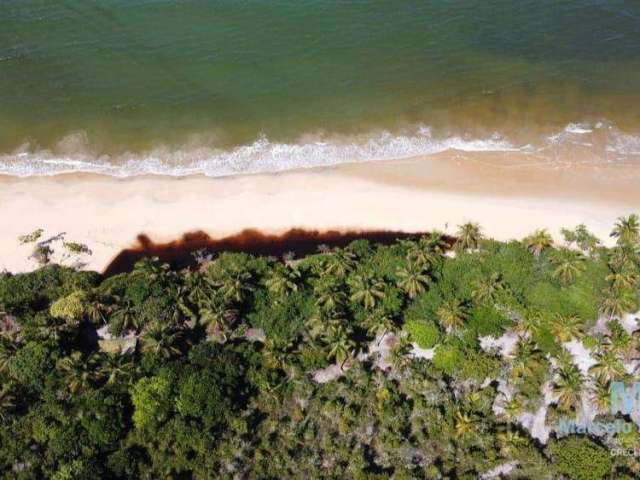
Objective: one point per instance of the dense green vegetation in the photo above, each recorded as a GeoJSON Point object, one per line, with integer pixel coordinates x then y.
{"type": "Point", "coordinates": [366, 362]}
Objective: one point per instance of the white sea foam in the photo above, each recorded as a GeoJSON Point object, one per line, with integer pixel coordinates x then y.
{"type": "Point", "coordinates": [257, 157]}
{"type": "Point", "coordinates": [74, 154]}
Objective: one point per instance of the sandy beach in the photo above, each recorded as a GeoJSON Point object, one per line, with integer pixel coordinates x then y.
{"type": "Point", "coordinates": [509, 196]}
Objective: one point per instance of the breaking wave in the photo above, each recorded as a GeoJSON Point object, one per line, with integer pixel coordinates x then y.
{"type": "Point", "coordinates": [74, 153]}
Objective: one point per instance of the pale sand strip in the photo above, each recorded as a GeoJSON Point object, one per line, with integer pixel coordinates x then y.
{"type": "Point", "coordinates": [107, 213]}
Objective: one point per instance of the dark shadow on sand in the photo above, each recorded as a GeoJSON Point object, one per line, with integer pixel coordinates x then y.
{"type": "Point", "coordinates": [297, 242]}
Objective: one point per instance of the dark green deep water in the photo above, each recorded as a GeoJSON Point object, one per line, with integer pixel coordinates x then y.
{"type": "Point", "coordinates": [221, 86]}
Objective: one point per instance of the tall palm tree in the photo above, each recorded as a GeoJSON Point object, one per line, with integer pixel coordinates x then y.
{"type": "Point", "coordinates": [116, 367]}
{"type": "Point", "coordinates": [530, 324]}
{"type": "Point", "coordinates": [282, 281]}
{"type": "Point", "coordinates": [367, 290]}
{"type": "Point", "coordinates": [339, 263]}
{"type": "Point", "coordinates": [451, 314]}
{"type": "Point", "coordinates": [527, 354]}
{"type": "Point", "coordinates": [412, 279]}
{"type": "Point", "coordinates": [125, 317]}
{"type": "Point", "coordinates": [568, 387]}
{"type": "Point", "coordinates": [622, 280]}
{"type": "Point", "coordinates": [568, 264]}
{"type": "Point", "coordinates": [487, 289]}
{"type": "Point", "coordinates": [235, 285]}
{"type": "Point", "coordinates": [627, 230]}
{"type": "Point", "coordinates": [615, 304]}
{"type": "Point", "coordinates": [463, 424]}
{"type": "Point", "coordinates": [218, 320]}
{"type": "Point", "coordinates": [469, 236]}
{"type": "Point", "coordinates": [8, 348]}
{"type": "Point", "coordinates": [7, 400]}
{"type": "Point", "coordinates": [78, 372]}
{"type": "Point", "coordinates": [624, 257]}
{"type": "Point", "coordinates": [538, 241]}
{"type": "Point", "coordinates": [329, 297]}
{"type": "Point", "coordinates": [601, 397]}
{"type": "Point", "coordinates": [567, 327]}
{"type": "Point", "coordinates": [162, 339]}
{"type": "Point", "coordinates": [607, 367]}
{"type": "Point", "coordinates": [428, 250]}
{"type": "Point", "coordinates": [341, 347]}
{"type": "Point", "coordinates": [510, 441]}
{"type": "Point", "coordinates": [399, 354]}
{"type": "Point", "coordinates": [378, 325]}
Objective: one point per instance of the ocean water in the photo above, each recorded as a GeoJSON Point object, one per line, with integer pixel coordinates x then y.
{"type": "Point", "coordinates": [126, 87]}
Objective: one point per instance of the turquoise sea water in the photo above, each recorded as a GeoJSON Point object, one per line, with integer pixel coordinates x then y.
{"type": "Point", "coordinates": [169, 86]}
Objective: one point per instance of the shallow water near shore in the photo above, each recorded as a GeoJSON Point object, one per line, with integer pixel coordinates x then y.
{"type": "Point", "coordinates": [168, 87]}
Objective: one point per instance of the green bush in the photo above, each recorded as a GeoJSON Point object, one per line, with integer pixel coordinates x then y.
{"type": "Point", "coordinates": [448, 359]}
{"type": "Point", "coordinates": [70, 307]}
{"type": "Point", "coordinates": [425, 334]}
{"type": "Point", "coordinates": [579, 458]}
{"type": "Point", "coordinates": [486, 320]}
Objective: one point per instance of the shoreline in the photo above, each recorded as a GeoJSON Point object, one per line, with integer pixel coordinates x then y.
{"type": "Point", "coordinates": [508, 197]}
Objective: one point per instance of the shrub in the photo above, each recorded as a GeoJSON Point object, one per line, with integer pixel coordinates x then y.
{"type": "Point", "coordinates": [152, 399]}
{"type": "Point", "coordinates": [579, 458]}
{"type": "Point", "coordinates": [425, 334]}
{"type": "Point", "coordinates": [70, 307]}
{"type": "Point", "coordinates": [447, 358]}
{"type": "Point", "coordinates": [32, 364]}
{"type": "Point", "coordinates": [486, 320]}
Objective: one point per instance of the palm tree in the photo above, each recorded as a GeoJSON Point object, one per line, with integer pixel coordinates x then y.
{"type": "Point", "coordinates": [161, 339]}
{"type": "Point", "coordinates": [526, 356]}
{"type": "Point", "coordinates": [218, 320]}
{"type": "Point", "coordinates": [339, 263]}
{"type": "Point", "coordinates": [601, 396]}
{"type": "Point", "coordinates": [379, 325]}
{"type": "Point", "coordinates": [510, 441]}
{"type": "Point", "coordinates": [341, 346]}
{"type": "Point", "coordinates": [328, 297]}
{"type": "Point", "coordinates": [435, 242]}
{"type": "Point", "coordinates": [196, 292]}
{"type": "Point", "coordinates": [283, 281]}
{"type": "Point", "coordinates": [125, 318]}
{"type": "Point", "coordinates": [116, 367]}
{"type": "Point", "coordinates": [234, 285]}
{"type": "Point", "coordinates": [531, 324]}
{"type": "Point", "coordinates": [399, 354]}
{"type": "Point", "coordinates": [566, 328]}
{"type": "Point", "coordinates": [608, 367]}
{"type": "Point", "coordinates": [624, 257]}
{"type": "Point", "coordinates": [427, 250]}
{"type": "Point", "coordinates": [412, 279]}
{"type": "Point", "coordinates": [8, 348]}
{"type": "Point", "coordinates": [615, 304]}
{"type": "Point", "coordinates": [569, 264]}
{"type": "Point", "coordinates": [568, 387]}
{"type": "Point", "coordinates": [627, 230]}
{"type": "Point", "coordinates": [451, 314]}
{"type": "Point", "coordinates": [77, 371]}
{"type": "Point", "coordinates": [538, 241]}
{"type": "Point", "coordinates": [486, 290]}
{"type": "Point", "coordinates": [513, 408]}
{"type": "Point", "coordinates": [623, 280]}
{"type": "Point", "coordinates": [463, 424]}
{"type": "Point", "coordinates": [7, 400]}
{"type": "Point", "coordinates": [96, 311]}
{"type": "Point", "coordinates": [469, 236]}
{"type": "Point", "coordinates": [367, 290]}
